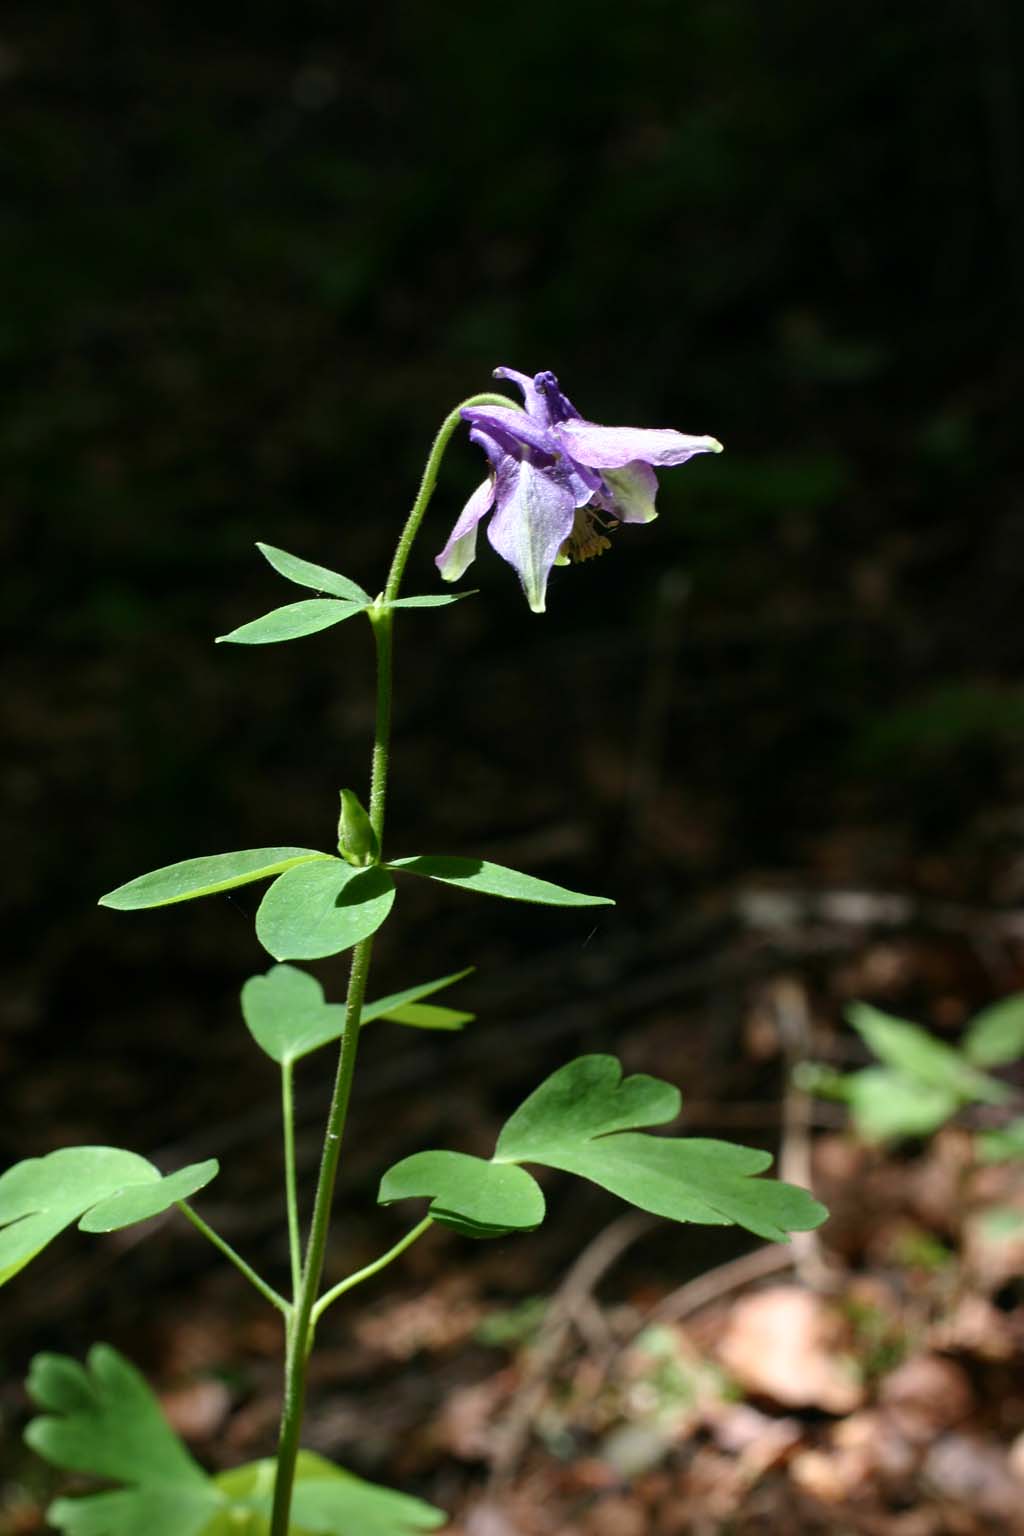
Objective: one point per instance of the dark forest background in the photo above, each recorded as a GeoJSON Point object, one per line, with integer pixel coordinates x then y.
{"type": "Point", "coordinates": [250, 257]}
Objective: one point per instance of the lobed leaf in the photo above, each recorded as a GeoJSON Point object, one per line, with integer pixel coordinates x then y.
{"type": "Point", "coordinates": [103, 1420]}
{"type": "Point", "coordinates": [205, 877]}
{"type": "Point", "coordinates": [495, 880]}
{"type": "Point", "coordinates": [104, 1186]}
{"type": "Point", "coordinates": [286, 1014]}
{"type": "Point", "coordinates": [320, 909]}
{"type": "Point", "coordinates": [293, 621]}
{"type": "Point", "coordinates": [995, 1036]}
{"type": "Point", "coordinates": [305, 574]}
{"type": "Point", "coordinates": [585, 1119]}
{"type": "Point", "coordinates": [476, 1197]}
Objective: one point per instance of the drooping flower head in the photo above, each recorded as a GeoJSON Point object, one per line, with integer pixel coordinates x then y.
{"type": "Point", "coordinates": [557, 484]}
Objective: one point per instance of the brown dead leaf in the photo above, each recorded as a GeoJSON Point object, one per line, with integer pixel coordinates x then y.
{"type": "Point", "coordinates": [926, 1395]}
{"type": "Point", "coordinates": [197, 1411]}
{"type": "Point", "coordinates": [787, 1344]}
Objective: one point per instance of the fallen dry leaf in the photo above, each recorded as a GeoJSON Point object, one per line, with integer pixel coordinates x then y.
{"type": "Point", "coordinates": [787, 1344]}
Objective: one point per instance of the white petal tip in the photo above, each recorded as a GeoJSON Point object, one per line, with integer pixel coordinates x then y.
{"type": "Point", "coordinates": [714, 446]}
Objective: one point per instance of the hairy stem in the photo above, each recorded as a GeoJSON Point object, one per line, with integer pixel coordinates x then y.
{"type": "Point", "coordinates": [291, 1193]}
{"type": "Point", "coordinates": [302, 1317]}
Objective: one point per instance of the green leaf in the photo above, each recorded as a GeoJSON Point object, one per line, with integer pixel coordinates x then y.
{"type": "Point", "coordinates": [915, 1053]}
{"type": "Point", "coordinates": [323, 908]}
{"type": "Point", "coordinates": [583, 1120]}
{"type": "Point", "coordinates": [286, 1014]}
{"type": "Point", "coordinates": [305, 574]}
{"type": "Point", "coordinates": [42, 1195]}
{"type": "Point", "coordinates": [885, 1103]}
{"type": "Point", "coordinates": [293, 621]}
{"type": "Point", "coordinates": [495, 880]}
{"type": "Point", "coordinates": [478, 1198]}
{"type": "Point", "coordinates": [204, 877]}
{"type": "Point", "coordinates": [387, 1007]}
{"type": "Point", "coordinates": [995, 1036]}
{"type": "Point", "coordinates": [1006, 1145]}
{"type": "Point", "coordinates": [329, 1501]}
{"type": "Point", "coordinates": [426, 1016]}
{"type": "Point", "coordinates": [103, 1420]}
{"type": "Point", "coordinates": [435, 600]}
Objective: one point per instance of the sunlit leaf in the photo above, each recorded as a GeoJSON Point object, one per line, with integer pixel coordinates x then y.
{"type": "Point", "coordinates": [434, 600]}
{"type": "Point", "coordinates": [995, 1036]}
{"type": "Point", "coordinates": [305, 574]}
{"type": "Point", "coordinates": [476, 1197]}
{"type": "Point", "coordinates": [293, 621]}
{"type": "Point", "coordinates": [495, 880]}
{"type": "Point", "coordinates": [103, 1420]}
{"type": "Point", "coordinates": [286, 1014]}
{"type": "Point", "coordinates": [427, 1016]}
{"type": "Point", "coordinates": [205, 876]}
{"type": "Point", "coordinates": [915, 1053]}
{"type": "Point", "coordinates": [886, 1103]}
{"type": "Point", "coordinates": [386, 1007]}
{"type": "Point", "coordinates": [105, 1186]}
{"type": "Point", "coordinates": [585, 1119]}
{"type": "Point", "coordinates": [323, 908]}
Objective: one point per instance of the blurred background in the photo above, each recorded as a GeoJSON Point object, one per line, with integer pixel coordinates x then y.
{"type": "Point", "coordinates": [250, 258]}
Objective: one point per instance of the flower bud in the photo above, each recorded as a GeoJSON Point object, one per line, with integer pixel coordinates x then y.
{"type": "Point", "coordinates": [357, 841]}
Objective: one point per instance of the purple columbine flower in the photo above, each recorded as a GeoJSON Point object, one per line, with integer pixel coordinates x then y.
{"type": "Point", "coordinates": [558, 484]}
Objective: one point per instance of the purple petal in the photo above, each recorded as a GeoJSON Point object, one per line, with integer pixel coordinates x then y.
{"type": "Point", "coordinates": [513, 430]}
{"type": "Point", "coordinates": [460, 550]}
{"type": "Point", "coordinates": [614, 447]}
{"type": "Point", "coordinates": [542, 396]}
{"type": "Point", "coordinates": [532, 519]}
{"type": "Point", "coordinates": [630, 492]}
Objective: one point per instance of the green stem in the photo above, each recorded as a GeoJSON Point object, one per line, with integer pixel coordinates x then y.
{"type": "Point", "coordinates": [301, 1320]}
{"type": "Point", "coordinates": [291, 1195]}
{"type": "Point", "coordinates": [369, 1270]}
{"type": "Point", "coordinates": [226, 1249]}
{"type": "Point", "coordinates": [427, 484]}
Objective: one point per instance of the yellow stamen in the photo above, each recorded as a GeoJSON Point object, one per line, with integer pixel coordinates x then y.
{"type": "Point", "coordinates": [584, 542]}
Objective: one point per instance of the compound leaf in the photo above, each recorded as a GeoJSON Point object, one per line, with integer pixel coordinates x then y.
{"type": "Point", "coordinates": [104, 1186]}
{"type": "Point", "coordinates": [478, 1198]}
{"type": "Point", "coordinates": [323, 908]}
{"type": "Point", "coordinates": [305, 574]}
{"type": "Point", "coordinates": [293, 621]}
{"type": "Point", "coordinates": [103, 1420]}
{"type": "Point", "coordinates": [584, 1120]}
{"type": "Point", "coordinates": [915, 1053]}
{"type": "Point", "coordinates": [496, 880]}
{"type": "Point", "coordinates": [205, 876]}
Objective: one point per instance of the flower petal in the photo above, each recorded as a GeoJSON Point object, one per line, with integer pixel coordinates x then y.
{"type": "Point", "coordinates": [514, 430]}
{"type": "Point", "coordinates": [542, 395]}
{"type": "Point", "coordinates": [460, 550]}
{"type": "Point", "coordinates": [630, 492]}
{"type": "Point", "coordinates": [614, 447]}
{"type": "Point", "coordinates": [533, 517]}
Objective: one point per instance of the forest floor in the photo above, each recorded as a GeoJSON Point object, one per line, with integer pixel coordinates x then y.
{"type": "Point", "coordinates": [608, 1375]}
